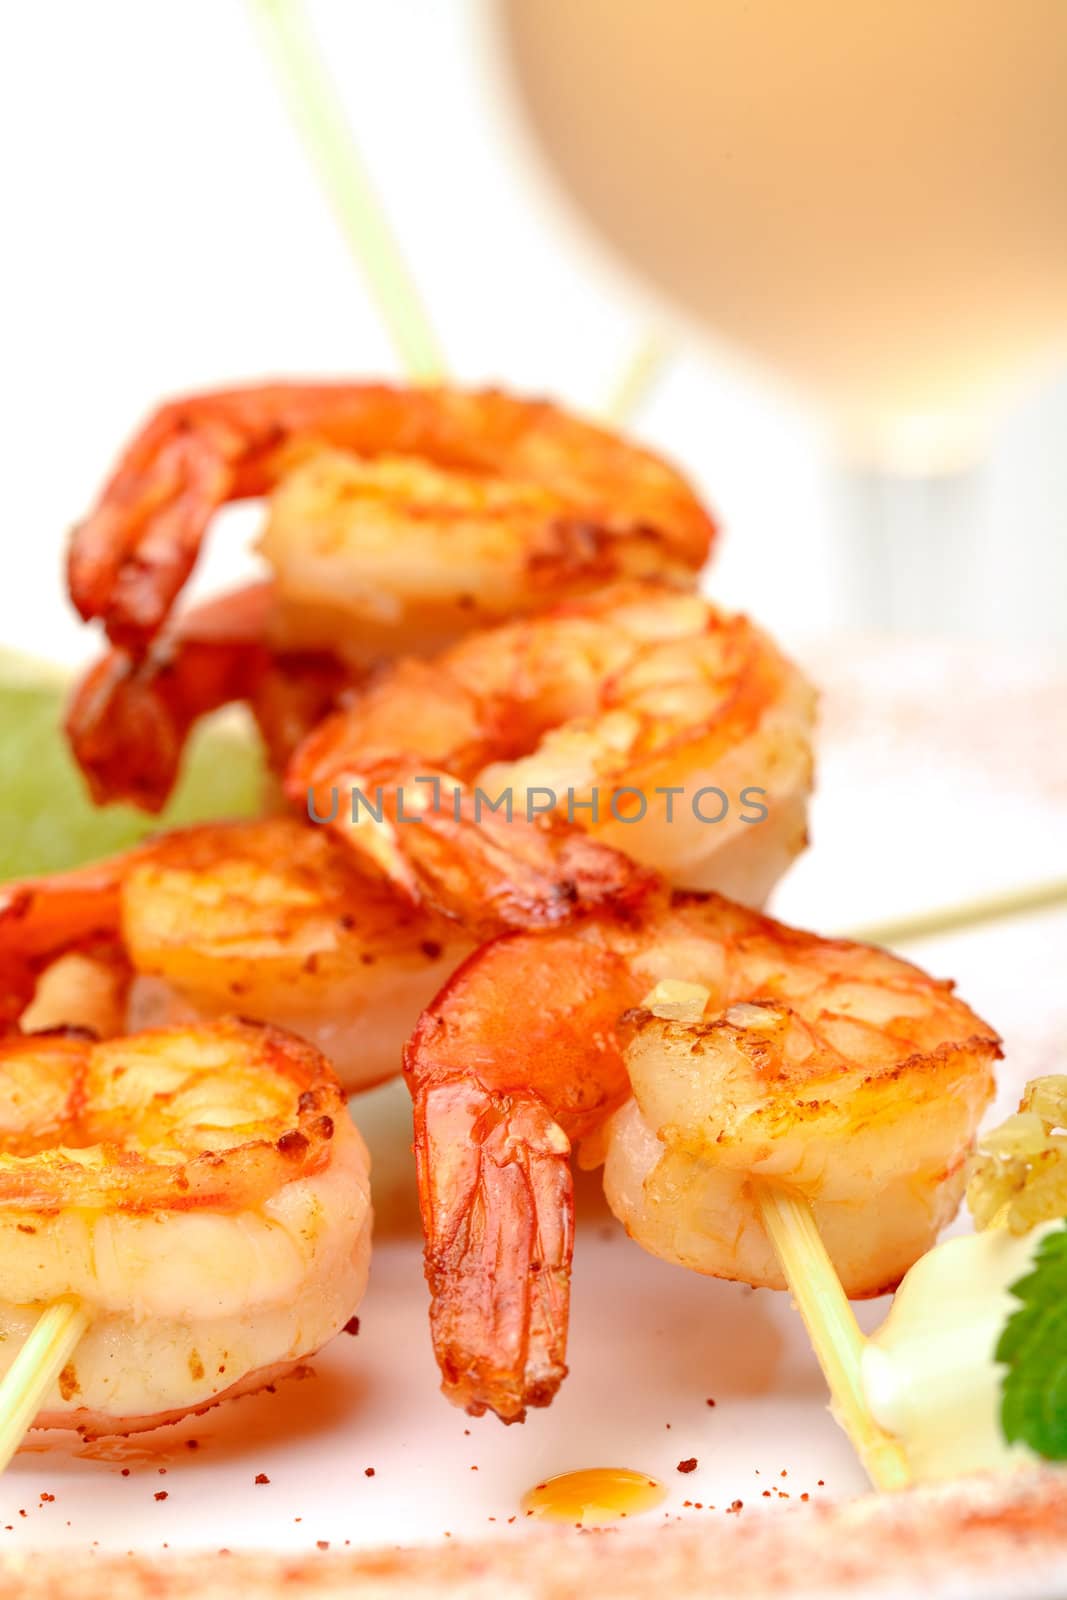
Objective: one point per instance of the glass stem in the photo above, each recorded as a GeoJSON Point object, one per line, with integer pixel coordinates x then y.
{"type": "Point", "coordinates": [908, 548]}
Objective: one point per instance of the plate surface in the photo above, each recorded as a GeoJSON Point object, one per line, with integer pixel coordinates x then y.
{"type": "Point", "coordinates": [942, 777]}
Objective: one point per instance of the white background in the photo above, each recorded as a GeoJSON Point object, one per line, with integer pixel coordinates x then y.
{"type": "Point", "coordinates": [164, 231]}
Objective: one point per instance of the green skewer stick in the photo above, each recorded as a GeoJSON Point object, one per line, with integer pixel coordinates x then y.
{"type": "Point", "coordinates": [35, 1369]}
{"type": "Point", "coordinates": [970, 914]}
{"type": "Point", "coordinates": [643, 370]}
{"type": "Point", "coordinates": [316, 109]}
{"type": "Point", "coordinates": [832, 1328]}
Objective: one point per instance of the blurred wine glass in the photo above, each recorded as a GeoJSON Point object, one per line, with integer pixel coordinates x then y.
{"type": "Point", "coordinates": [868, 197]}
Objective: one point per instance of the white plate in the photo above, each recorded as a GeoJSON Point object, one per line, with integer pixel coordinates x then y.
{"type": "Point", "coordinates": [650, 1344]}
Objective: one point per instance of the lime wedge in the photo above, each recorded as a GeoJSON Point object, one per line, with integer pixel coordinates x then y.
{"type": "Point", "coordinates": [48, 822]}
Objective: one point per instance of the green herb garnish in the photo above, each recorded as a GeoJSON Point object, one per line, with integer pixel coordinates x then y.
{"type": "Point", "coordinates": [1033, 1347]}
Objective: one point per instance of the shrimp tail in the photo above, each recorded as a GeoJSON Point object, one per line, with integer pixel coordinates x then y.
{"type": "Point", "coordinates": [44, 918]}
{"type": "Point", "coordinates": [501, 1091]}
{"type": "Point", "coordinates": [438, 843]}
{"type": "Point", "coordinates": [126, 731]}
{"type": "Point", "coordinates": [128, 561]}
{"type": "Point", "coordinates": [496, 1192]}
{"type": "Point", "coordinates": [41, 918]}
{"type": "Point", "coordinates": [18, 981]}
{"type": "Point", "coordinates": [129, 718]}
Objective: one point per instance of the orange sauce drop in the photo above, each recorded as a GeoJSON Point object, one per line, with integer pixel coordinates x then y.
{"type": "Point", "coordinates": [593, 1496]}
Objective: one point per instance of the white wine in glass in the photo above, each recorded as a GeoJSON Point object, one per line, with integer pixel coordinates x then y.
{"type": "Point", "coordinates": [867, 197]}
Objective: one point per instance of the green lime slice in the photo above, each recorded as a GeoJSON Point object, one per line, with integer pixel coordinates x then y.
{"type": "Point", "coordinates": [47, 820]}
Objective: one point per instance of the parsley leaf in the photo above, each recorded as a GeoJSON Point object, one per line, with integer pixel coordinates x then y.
{"type": "Point", "coordinates": [1033, 1347]}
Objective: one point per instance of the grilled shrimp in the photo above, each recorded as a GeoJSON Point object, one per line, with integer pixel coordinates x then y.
{"type": "Point", "coordinates": [129, 716]}
{"type": "Point", "coordinates": [525, 495]}
{"type": "Point", "coordinates": [266, 918]}
{"type": "Point", "coordinates": [202, 1193]}
{"type": "Point", "coordinates": [690, 1048]}
{"type": "Point", "coordinates": [401, 554]}
{"type": "Point", "coordinates": [441, 512]}
{"type": "Point", "coordinates": [542, 757]}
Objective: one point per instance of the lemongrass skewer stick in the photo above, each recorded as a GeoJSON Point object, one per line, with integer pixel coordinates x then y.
{"type": "Point", "coordinates": [316, 109]}
{"type": "Point", "coordinates": [969, 914]}
{"type": "Point", "coordinates": [35, 1369]}
{"type": "Point", "coordinates": [832, 1328]}
{"type": "Point", "coordinates": [643, 370]}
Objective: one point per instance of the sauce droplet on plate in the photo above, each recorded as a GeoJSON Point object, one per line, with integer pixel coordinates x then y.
{"type": "Point", "coordinates": [594, 1495]}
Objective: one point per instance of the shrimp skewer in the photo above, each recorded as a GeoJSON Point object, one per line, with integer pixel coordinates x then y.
{"type": "Point", "coordinates": [837, 1072]}
{"type": "Point", "coordinates": [268, 918]}
{"type": "Point", "coordinates": [199, 1193]}
{"type": "Point", "coordinates": [590, 493]}
{"type": "Point", "coordinates": [648, 717]}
